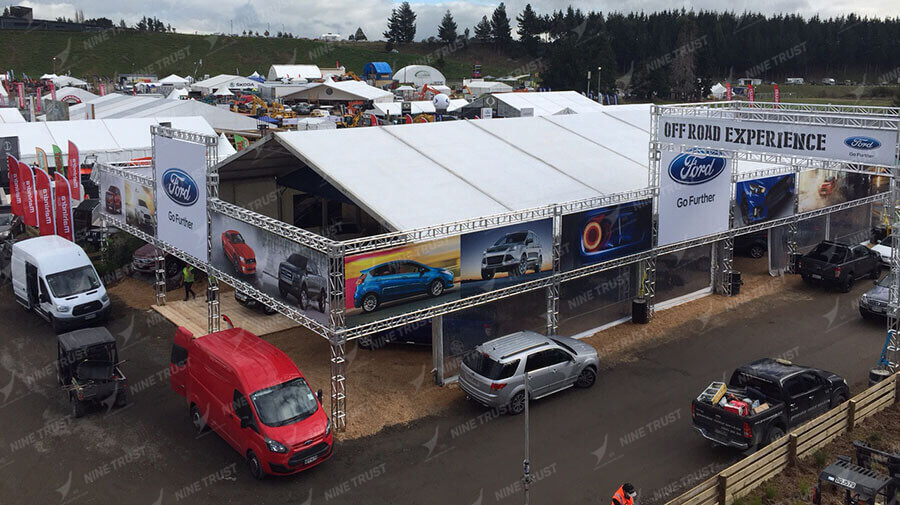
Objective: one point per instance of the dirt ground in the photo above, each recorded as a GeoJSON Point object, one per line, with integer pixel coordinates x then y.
{"type": "Point", "coordinates": [796, 484]}
{"type": "Point", "coordinates": [394, 385]}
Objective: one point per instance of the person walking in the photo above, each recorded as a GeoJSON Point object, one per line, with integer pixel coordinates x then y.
{"type": "Point", "coordinates": [625, 495]}
{"type": "Point", "coordinates": [188, 279]}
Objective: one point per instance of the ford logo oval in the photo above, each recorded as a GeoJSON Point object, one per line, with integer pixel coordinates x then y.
{"type": "Point", "coordinates": [696, 168]}
{"type": "Point", "coordinates": [180, 187]}
{"type": "Point", "coordinates": [864, 143]}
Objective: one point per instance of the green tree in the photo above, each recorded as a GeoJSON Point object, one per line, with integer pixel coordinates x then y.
{"type": "Point", "coordinates": [501, 32]}
{"type": "Point", "coordinates": [401, 25]}
{"type": "Point", "coordinates": [447, 30]}
{"type": "Point", "coordinates": [530, 27]}
{"type": "Point", "coordinates": [483, 30]}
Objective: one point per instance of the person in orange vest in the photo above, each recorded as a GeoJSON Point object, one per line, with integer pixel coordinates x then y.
{"type": "Point", "coordinates": [625, 495]}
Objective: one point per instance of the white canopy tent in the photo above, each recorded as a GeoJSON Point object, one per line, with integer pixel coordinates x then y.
{"type": "Point", "coordinates": [718, 91]}
{"type": "Point", "coordinates": [117, 106]}
{"type": "Point", "coordinates": [341, 91]}
{"type": "Point", "coordinates": [175, 81]}
{"type": "Point", "coordinates": [176, 94]}
{"type": "Point", "coordinates": [419, 75]}
{"type": "Point", "coordinates": [71, 95]}
{"type": "Point", "coordinates": [223, 92]}
{"type": "Point", "coordinates": [548, 103]}
{"type": "Point", "coordinates": [226, 81]}
{"type": "Point", "coordinates": [66, 80]}
{"type": "Point", "coordinates": [109, 139]}
{"type": "Point", "coordinates": [294, 72]}
{"type": "Point", "coordinates": [419, 107]}
{"type": "Point", "coordinates": [479, 87]}
{"type": "Point", "coordinates": [224, 148]}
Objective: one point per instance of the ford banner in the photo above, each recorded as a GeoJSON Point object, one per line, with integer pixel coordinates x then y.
{"type": "Point", "coordinates": [180, 175]}
{"type": "Point", "coordinates": [694, 194]}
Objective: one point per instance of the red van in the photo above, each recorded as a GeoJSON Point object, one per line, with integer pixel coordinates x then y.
{"type": "Point", "coordinates": [251, 394]}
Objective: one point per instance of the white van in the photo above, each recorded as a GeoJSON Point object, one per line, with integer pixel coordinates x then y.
{"type": "Point", "coordinates": [54, 277]}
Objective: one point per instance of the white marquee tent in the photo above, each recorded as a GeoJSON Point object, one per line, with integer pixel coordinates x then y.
{"type": "Point", "coordinates": [548, 103]}
{"type": "Point", "coordinates": [227, 81]}
{"type": "Point", "coordinates": [341, 91]}
{"type": "Point", "coordinates": [176, 81]}
{"type": "Point", "coordinates": [419, 75]}
{"type": "Point", "coordinates": [419, 107]}
{"type": "Point", "coordinates": [116, 106]}
{"type": "Point", "coordinates": [72, 95]}
{"type": "Point", "coordinates": [294, 72]}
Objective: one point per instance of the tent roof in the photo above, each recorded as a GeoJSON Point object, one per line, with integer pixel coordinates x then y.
{"type": "Point", "coordinates": [550, 102]}
{"type": "Point", "coordinates": [419, 75]}
{"type": "Point", "coordinates": [405, 87]}
{"type": "Point", "coordinates": [79, 93]}
{"type": "Point", "coordinates": [505, 165]}
{"type": "Point", "coordinates": [224, 81]}
{"type": "Point", "coordinates": [11, 115]}
{"type": "Point", "coordinates": [173, 79]}
{"type": "Point", "coordinates": [419, 107]}
{"type": "Point", "coordinates": [116, 106]}
{"type": "Point", "coordinates": [358, 89]}
{"type": "Point", "coordinates": [380, 67]}
{"type": "Point", "coordinates": [294, 72]}
{"type": "Point", "coordinates": [178, 93]}
{"type": "Point", "coordinates": [223, 92]}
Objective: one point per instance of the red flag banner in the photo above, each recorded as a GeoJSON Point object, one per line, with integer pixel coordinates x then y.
{"type": "Point", "coordinates": [15, 195]}
{"type": "Point", "coordinates": [63, 207]}
{"type": "Point", "coordinates": [777, 94]}
{"type": "Point", "coordinates": [52, 91]}
{"type": "Point", "coordinates": [728, 91]}
{"type": "Point", "coordinates": [26, 186]}
{"type": "Point", "coordinates": [102, 89]}
{"type": "Point", "coordinates": [20, 94]}
{"type": "Point", "coordinates": [37, 99]}
{"type": "Point", "coordinates": [750, 92]}
{"type": "Point", "coordinates": [74, 171]}
{"type": "Point", "coordinates": [44, 198]}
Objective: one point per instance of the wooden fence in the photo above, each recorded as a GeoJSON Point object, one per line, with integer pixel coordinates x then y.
{"type": "Point", "coordinates": [742, 477]}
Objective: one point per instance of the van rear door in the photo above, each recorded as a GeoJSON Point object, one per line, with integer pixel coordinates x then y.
{"type": "Point", "coordinates": [178, 373]}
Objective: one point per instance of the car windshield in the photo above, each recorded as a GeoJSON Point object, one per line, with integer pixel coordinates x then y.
{"type": "Point", "coordinates": [512, 238]}
{"type": "Point", "coordinates": [487, 367]}
{"type": "Point", "coordinates": [286, 403]}
{"type": "Point", "coordinates": [564, 346]}
{"type": "Point", "coordinates": [72, 282]}
{"type": "Point", "coordinates": [885, 282]}
{"type": "Point", "coordinates": [237, 239]}
{"type": "Point", "coordinates": [5, 219]}
{"type": "Point", "coordinates": [829, 253]}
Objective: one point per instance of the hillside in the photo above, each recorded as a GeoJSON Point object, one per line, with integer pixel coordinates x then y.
{"type": "Point", "coordinates": [113, 51]}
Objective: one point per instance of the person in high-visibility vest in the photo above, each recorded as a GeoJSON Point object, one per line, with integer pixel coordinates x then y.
{"type": "Point", "coordinates": [625, 495]}
{"type": "Point", "coordinates": [188, 279]}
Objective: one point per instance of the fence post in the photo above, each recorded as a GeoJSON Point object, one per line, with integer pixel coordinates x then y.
{"type": "Point", "coordinates": [851, 415]}
{"type": "Point", "coordinates": [723, 488]}
{"type": "Point", "coordinates": [792, 449]}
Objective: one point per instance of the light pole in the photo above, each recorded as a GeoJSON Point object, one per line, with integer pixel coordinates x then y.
{"type": "Point", "coordinates": [599, 96]}
{"type": "Point", "coordinates": [54, 64]}
{"type": "Point", "coordinates": [526, 464]}
{"type": "Point", "coordinates": [587, 91]}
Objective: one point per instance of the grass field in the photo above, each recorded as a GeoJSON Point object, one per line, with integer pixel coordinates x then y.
{"type": "Point", "coordinates": [110, 52]}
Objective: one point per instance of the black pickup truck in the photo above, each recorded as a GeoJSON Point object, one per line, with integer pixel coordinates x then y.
{"type": "Point", "coordinates": [794, 394]}
{"type": "Point", "coordinates": [839, 264]}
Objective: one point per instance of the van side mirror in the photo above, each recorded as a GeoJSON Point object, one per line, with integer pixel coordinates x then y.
{"type": "Point", "coordinates": [319, 395]}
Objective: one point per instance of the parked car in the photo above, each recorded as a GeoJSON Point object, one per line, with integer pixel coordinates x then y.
{"type": "Point", "coordinates": [238, 253]}
{"type": "Point", "coordinates": [11, 225]}
{"type": "Point", "coordinates": [760, 198]}
{"type": "Point", "coordinates": [755, 245]}
{"type": "Point", "coordinates": [873, 303]}
{"type": "Point", "coordinates": [54, 278]}
{"type": "Point", "coordinates": [302, 108]}
{"type": "Point", "coordinates": [788, 395]}
{"type": "Point", "coordinates": [828, 186]}
{"type": "Point", "coordinates": [248, 301]}
{"type": "Point", "coordinates": [395, 280]}
{"type": "Point", "coordinates": [514, 253]}
{"type": "Point", "coordinates": [113, 200]}
{"type": "Point", "coordinates": [144, 261]}
{"type": "Point", "coordinates": [268, 414]}
{"type": "Point", "coordinates": [494, 373]}
{"type": "Point", "coordinates": [299, 276]}
{"type": "Point", "coordinates": [87, 364]}
{"type": "Point", "coordinates": [839, 264]}
{"type": "Point", "coordinates": [883, 247]}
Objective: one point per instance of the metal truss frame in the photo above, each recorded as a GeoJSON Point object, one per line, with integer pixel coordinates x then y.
{"type": "Point", "coordinates": [338, 385]}
{"type": "Point", "coordinates": [292, 233]}
{"type": "Point", "coordinates": [883, 118]}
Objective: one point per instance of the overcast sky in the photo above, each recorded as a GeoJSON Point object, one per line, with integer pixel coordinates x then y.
{"type": "Point", "coordinates": [311, 18]}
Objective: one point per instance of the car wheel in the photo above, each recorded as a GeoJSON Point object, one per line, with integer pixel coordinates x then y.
{"type": "Point", "coordinates": [370, 302]}
{"type": "Point", "coordinates": [197, 419]}
{"type": "Point", "coordinates": [847, 284]}
{"type": "Point", "coordinates": [78, 408]}
{"type": "Point", "coordinates": [436, 288]}
{"type": "Point", "coordinates": [522, 267]}
{"type": "Point", "coordinates": [757, 251]}
{"type": "Point", "coordinates": [838, 398]}
{"type": "Point", "coordinates": [322, 301]}
{"type": "Point", "coordinates": [304, 298]}
{"type": "Point", "coordinates": [487, 275]}
{"type": "Point", "coordinates": [255, 466]}
{"type": "Point", "coordinates": [774, 434]}
{"type": "Point", "coordinates": [586, 378]}
{"type": "Point", "coordinates": [121, 398]}
{"type": "Point", "coordinates": [517, 404]}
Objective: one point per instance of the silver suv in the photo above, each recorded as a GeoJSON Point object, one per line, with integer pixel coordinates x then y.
{"type": "Point", "coordinates": [514, 253]}
{"type": "Point", "coordinates": [493, 374]}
